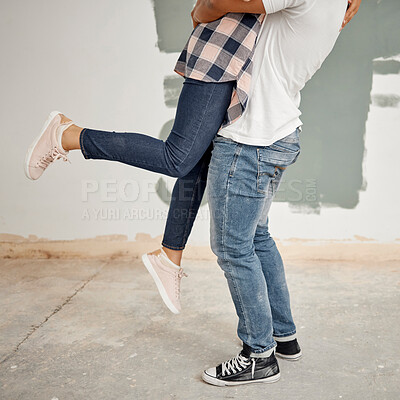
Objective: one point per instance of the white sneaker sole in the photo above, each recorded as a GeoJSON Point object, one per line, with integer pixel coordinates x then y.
{"type": "Point", "coordinates": [217, 382]}
{"type": "Point", "coordinates": [161, 289]}
{"type": "Point", "coordinates": [35, 142]}
{"type": "Point", "coordinates": [293, 357]}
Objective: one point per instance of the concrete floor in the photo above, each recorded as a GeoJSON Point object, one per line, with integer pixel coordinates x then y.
{"type": "Point", "coordinates": [98, 330]}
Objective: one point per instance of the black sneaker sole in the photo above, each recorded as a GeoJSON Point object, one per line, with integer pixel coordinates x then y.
{"type": "Point", "coordinates": [219, 382]}
{"type": "Point", "coordinates": [290, 357]}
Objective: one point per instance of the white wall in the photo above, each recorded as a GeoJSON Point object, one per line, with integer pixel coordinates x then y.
{"type": "Point", "coordinates": [98, 63]}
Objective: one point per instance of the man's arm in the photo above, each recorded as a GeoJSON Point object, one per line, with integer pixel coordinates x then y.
{"type": "Point", "coordinates": [210, 10]}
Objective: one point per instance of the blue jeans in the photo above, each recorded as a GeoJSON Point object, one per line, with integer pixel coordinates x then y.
{"type": "Point", "coordinates": [185, 154]}
{"type": "Point", "coordinates": [242, 183]}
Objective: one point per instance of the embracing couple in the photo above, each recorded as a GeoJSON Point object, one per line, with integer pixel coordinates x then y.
{"type": "Point", "coordinates": [236, 130]}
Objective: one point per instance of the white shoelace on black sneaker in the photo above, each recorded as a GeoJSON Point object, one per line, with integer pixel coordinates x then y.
{"type": "Point", "coordinates": [237, 364]}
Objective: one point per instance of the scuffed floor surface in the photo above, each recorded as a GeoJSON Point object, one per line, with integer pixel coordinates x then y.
{"type": "Point", "coordinates": [98, 330]}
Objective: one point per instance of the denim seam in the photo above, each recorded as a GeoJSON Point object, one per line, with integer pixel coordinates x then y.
{"type": "Point", "coordinates": [285, 334]}
{"type": "Point", "coordinates": [185, 234]}
{"type": "Point", "coordinates": [171, 247]}
{"type": "Point", "coordinates": [81, 144]}
{"type": "Point", "coordinates": [260, 174]}
{"type": "Point", "coordinates": [264, 349]}
{"type": "Point", "coordinates": [230, 175]}
{"type": "Point", "coordinates": [271, 188]}
{"type": "Point", "coordinates": [276, 180]}
{"type": "Point", "coordinates": [234, 162]}
{"type": "Point", "coordinates": [201, 123]}
{"type": "Point", "coordinates": [141, 164]}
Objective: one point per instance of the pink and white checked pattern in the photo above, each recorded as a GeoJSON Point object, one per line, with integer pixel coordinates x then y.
{"type": "Point", "coordinates": [222, 51]}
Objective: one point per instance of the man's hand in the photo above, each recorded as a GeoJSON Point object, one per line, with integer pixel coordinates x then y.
{"type": "Point", "coordinates": [351, 12]}
{"type": "Point", "coordinates": [194, 21]}
{"type": "Point", "coordinates": [204, 11]}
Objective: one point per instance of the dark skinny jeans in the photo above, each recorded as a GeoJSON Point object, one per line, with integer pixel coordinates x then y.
{"type": "Point", "coordinates": [185, 154]}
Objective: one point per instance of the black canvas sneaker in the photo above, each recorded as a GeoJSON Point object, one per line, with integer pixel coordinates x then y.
{"type": "Point", "coordinates": [243, 369]}
{"type": "Point", "coordinates": [288, 350]}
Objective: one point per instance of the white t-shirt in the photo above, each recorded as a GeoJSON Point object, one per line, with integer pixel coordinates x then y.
{"type": "Point", "coordinates": [296, 37]}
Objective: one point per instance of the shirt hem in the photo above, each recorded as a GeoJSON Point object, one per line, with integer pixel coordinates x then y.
{"type": "Point", "coordinates": [287, 130]}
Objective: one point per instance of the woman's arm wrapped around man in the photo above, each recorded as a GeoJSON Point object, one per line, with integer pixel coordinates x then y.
{"type": "Point", "coordinates": [210, 10]}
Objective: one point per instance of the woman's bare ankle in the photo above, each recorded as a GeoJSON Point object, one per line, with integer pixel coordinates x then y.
{"type": "Point", "coordinates": [174, 255]}
{"type": "Point", "coordinates": [70, 138]}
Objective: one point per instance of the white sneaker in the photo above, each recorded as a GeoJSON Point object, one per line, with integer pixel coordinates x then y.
{"type": "Point", "coordinates": [47, 148]}
{"type": "Point", "coordinates": [167, 277]}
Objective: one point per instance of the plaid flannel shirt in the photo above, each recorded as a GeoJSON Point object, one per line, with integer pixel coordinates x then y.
{"type": "Point", "coordinates": [222, 51]}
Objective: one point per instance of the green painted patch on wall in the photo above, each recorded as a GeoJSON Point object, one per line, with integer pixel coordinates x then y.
{"type": "Point", "coordinates": [173, 23]}
{"type": "Point", "coordinates": [172, 89]}
{"type": "Point", "coordinates": [386, 67]}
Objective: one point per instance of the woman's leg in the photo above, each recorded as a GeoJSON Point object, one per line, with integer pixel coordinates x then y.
{"type": "Point", "coordinates": [185, 202]}
{"type": "Point", "coordinates": [186, 198]}
{"type": "Point", "coordinates": [164, 266]}
{"type": "Point", "coordinates": [201, 110]}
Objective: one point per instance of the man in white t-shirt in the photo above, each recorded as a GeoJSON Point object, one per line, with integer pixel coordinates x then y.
{"type": "Point", "coordinates": [247, 164]}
